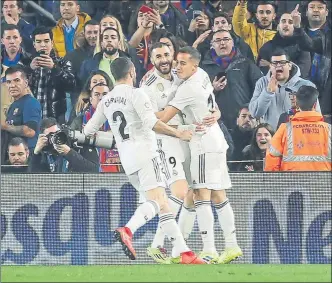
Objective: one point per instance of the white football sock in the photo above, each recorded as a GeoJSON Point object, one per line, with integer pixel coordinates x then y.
{"type": "Point", "coordinates": [143, 214]}
{"type": "Point", "coordinates": [205, 221]}
{"type": "Point", "coordinates": [175, 205]}
{"type": "Point", "coordinates": [186, 221]}
{"type": "Point", "coordinates": [172, 230]}
{"type": "Point", "coordinates": [227, 222]}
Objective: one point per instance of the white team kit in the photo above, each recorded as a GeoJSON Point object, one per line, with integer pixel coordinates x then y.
{"type": "Point", "coordinates": [195, 99]}
{"type": "Point", "coordinates": [172, 150]}
{"type": "Point", "coordinates": [131, 119]}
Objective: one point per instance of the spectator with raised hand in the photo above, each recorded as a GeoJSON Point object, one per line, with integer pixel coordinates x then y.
{"type": "Point", "coordinates": [199, 29]}
{"type": "Point", "coordinates": [70, 24]}
{"type": "Point", "coordinates": [12, 11]}
{"type": "Point", "coordinates": [233, 76]}
{"type": "Point", "coordinates": [284, 39]}
{"type": "Point", "coordinates": [242, 133]}
{"type": "Point", "coordinates": [317, 40]}
{"type": "Point", "coordinates": [271, 96]}
{"type": "Point", "coordinates": [51, 76]}
{"type": "Point", "coordinates": [172, 19]}
{"type": "Point", "coordinates": [12, 52]}
{"type": "Point", "coordinates": [24, 114]}
{"type": "Point", "coordinates": [255, 34]}
{"type": "Point", "coordinates": [255, 152]}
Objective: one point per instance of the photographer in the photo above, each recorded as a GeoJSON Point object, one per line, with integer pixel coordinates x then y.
{"type": "Point", "coordinates": [60, 158]}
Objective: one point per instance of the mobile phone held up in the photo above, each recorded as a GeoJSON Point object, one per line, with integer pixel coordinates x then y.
{"type": "Point", "coordinates": [196, 13]}
{"type": "Point", "coordinates": [220, 75]}
{"type": "Point", "coordinates": [145, 9]}
{"type": "Point", "coordinates": [41, 52]}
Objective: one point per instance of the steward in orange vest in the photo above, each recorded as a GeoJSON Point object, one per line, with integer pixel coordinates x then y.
{"type": "Point", "coordinates": [304, 143]}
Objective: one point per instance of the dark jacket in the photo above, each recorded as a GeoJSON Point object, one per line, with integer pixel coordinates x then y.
{"type": "Point", "coordinates": [320, 44]}
{"type": "Point", "coordinates": [240, 139]}
{"type": "Point", "coordinates": [242, 75]}
{"type": "Point", "coordinates": [25, 57]}
{"type": "Point", "coordinates": [178, 24]}
{"type": "Point", "coordinates": [300, 57]}
{"type": "Point", "coordinates": [84, 162]}
{"type": "Point", "coordinates": [59, 80]}
{"type": "Point", "coordinates": [92, 64]}
{"type": "Point", "coordinates": [255, 160]}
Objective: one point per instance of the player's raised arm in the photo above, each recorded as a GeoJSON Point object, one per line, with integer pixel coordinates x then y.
{"type": "Point", "coordinates": [96, 121]}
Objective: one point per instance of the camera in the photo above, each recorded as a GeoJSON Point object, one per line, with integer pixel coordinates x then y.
{"type": "Point", "coordinates": [75, 138]}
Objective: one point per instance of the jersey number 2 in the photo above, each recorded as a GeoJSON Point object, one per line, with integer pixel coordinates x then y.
{"type": "Point", "coordinates": [123, 124]}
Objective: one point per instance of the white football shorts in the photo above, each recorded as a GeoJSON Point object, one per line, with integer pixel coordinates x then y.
{"type": "Point", "coordinates": [209, 170]}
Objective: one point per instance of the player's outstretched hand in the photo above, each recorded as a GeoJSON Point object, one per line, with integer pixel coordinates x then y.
{"type": "Point", "coordinates": [185, 135]}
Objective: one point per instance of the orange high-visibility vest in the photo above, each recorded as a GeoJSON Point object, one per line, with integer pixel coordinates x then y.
{"type": "Point", "coordinates": [303, 144]}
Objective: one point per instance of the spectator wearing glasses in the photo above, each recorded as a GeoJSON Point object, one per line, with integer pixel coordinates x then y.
{"type": "Point", "coordinates": [235, 86]}
{"type": "Point", "coordinates": [255, 34]}
{"type": "Point", "coordinates": [271, 96]}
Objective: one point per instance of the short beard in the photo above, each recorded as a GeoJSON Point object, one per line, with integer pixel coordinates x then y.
{"type": "Point", "coordinates": [164, 72]}
{"type": "Point", "coordinates": [110, 52]}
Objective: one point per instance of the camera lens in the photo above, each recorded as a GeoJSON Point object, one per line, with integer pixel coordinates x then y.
{"type": "Point", "coordinates": [59, 138]}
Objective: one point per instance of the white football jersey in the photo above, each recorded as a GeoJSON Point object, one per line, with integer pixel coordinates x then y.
{"type": "Point", "coordinates": [131, 118]}
{"type": "Point", "coordinates": [195, 98]}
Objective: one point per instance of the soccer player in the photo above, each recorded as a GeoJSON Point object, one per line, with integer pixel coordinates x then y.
{"type": "Point", "coordinates": [210, 178]}
{"type": "Point", "coordinates": [159, 87]}
{"type": "Point", "coordinates": [132, 121]}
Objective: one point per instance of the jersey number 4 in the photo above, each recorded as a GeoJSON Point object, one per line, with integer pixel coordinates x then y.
{"type": "Point", "coordinates": [118, 115]}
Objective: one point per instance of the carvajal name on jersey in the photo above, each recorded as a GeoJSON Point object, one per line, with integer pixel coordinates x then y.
{"type": "Point", "coordinates": [119, 99]}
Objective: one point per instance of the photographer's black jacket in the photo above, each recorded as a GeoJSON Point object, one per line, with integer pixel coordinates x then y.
{"type": "Point", "coordinates": [83, 162]}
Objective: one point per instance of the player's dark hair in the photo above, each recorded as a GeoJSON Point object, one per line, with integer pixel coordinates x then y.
{"type": "Point", "coordinates": [91, 23]}
{"type": "Point", "coordinates": [17, 141]}
{"type": "Point", "coordinates": [157, 45]}
{"type": "Point", "coordinates": [47, 123]}
{"type": "Point", "coordinates": [41, 30]}
{"type": "Point", "coordinates": [306, 97]}
{"type": "Point", "coordinates": [8, 27]}
{"type": "Point", "coordinates": [279, 52]}
{"type": "Point", "coordinates": [17, 68]}
{"type": "Point", "coordinates": [193, 52]}
{"type": "Point", "coordinates": [120, 68]}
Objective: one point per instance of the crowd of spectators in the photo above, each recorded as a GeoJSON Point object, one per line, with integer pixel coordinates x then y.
{"type": "Point", "coordinates": [256, 53]}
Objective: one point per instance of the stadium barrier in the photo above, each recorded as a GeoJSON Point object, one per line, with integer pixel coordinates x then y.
{"type": "Point", "coordinates": [69, 218]}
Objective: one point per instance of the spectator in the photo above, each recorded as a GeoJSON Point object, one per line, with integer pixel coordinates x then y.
{"type": "Point", "coordinates": [255, 34]}
{"type": "Point", "coordinates": [70, 24]}
{"type": "Point", "coordinates": [284, 39]}
{"type": "Point", "coordinates": [221, 21]}
{"type": "Point", "coordinates": [6, 99]}
{"type": "Point", "coordinates": [77, 56]}
{"type": "Point", "coordinates": [320, 46]}
{"type": "Point", "coordinates": [96, 77]}
{"type": "Point", "coordinates": [18, 156]}
{"type": "Point", "coordinates": [304, 143]}
{"type": "Point", "coordinates": [236, 86]}
{"type": "Point", "coordinates": [24, 114]}
{"type": "Point", "coordinates": [256, 151]}
{"type": "Point", "coordinates": [12, 53]}
{"type": "Point", "coordinates": [51, 77]}
{"type": "Point", "coordinates": [102, 60]}
{"type": "Point", "coordinates": [11, 11]}
{"type": "Point", "coordinates": [173, 20]}
{"type": "Point", "coordinates": [200, 25]}
{"type": "Point", "coordinates": [140, 29]}
{"type": "Point", "coordinates": [271, 97]}
{"type": "Point", "coordinates": [210, 7]}
{"type": "Point", "coordinates": [242, 133]}
{"type": "Point", "coordinates": [48, 158]}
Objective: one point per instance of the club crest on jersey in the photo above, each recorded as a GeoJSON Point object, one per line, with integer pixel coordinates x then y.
{"type": "Point", "coordinates": [160, 87]}
{"type": "Point", "coordinates": [15, 111]}
{"type": "Point", "coordinates": [175, 173]}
